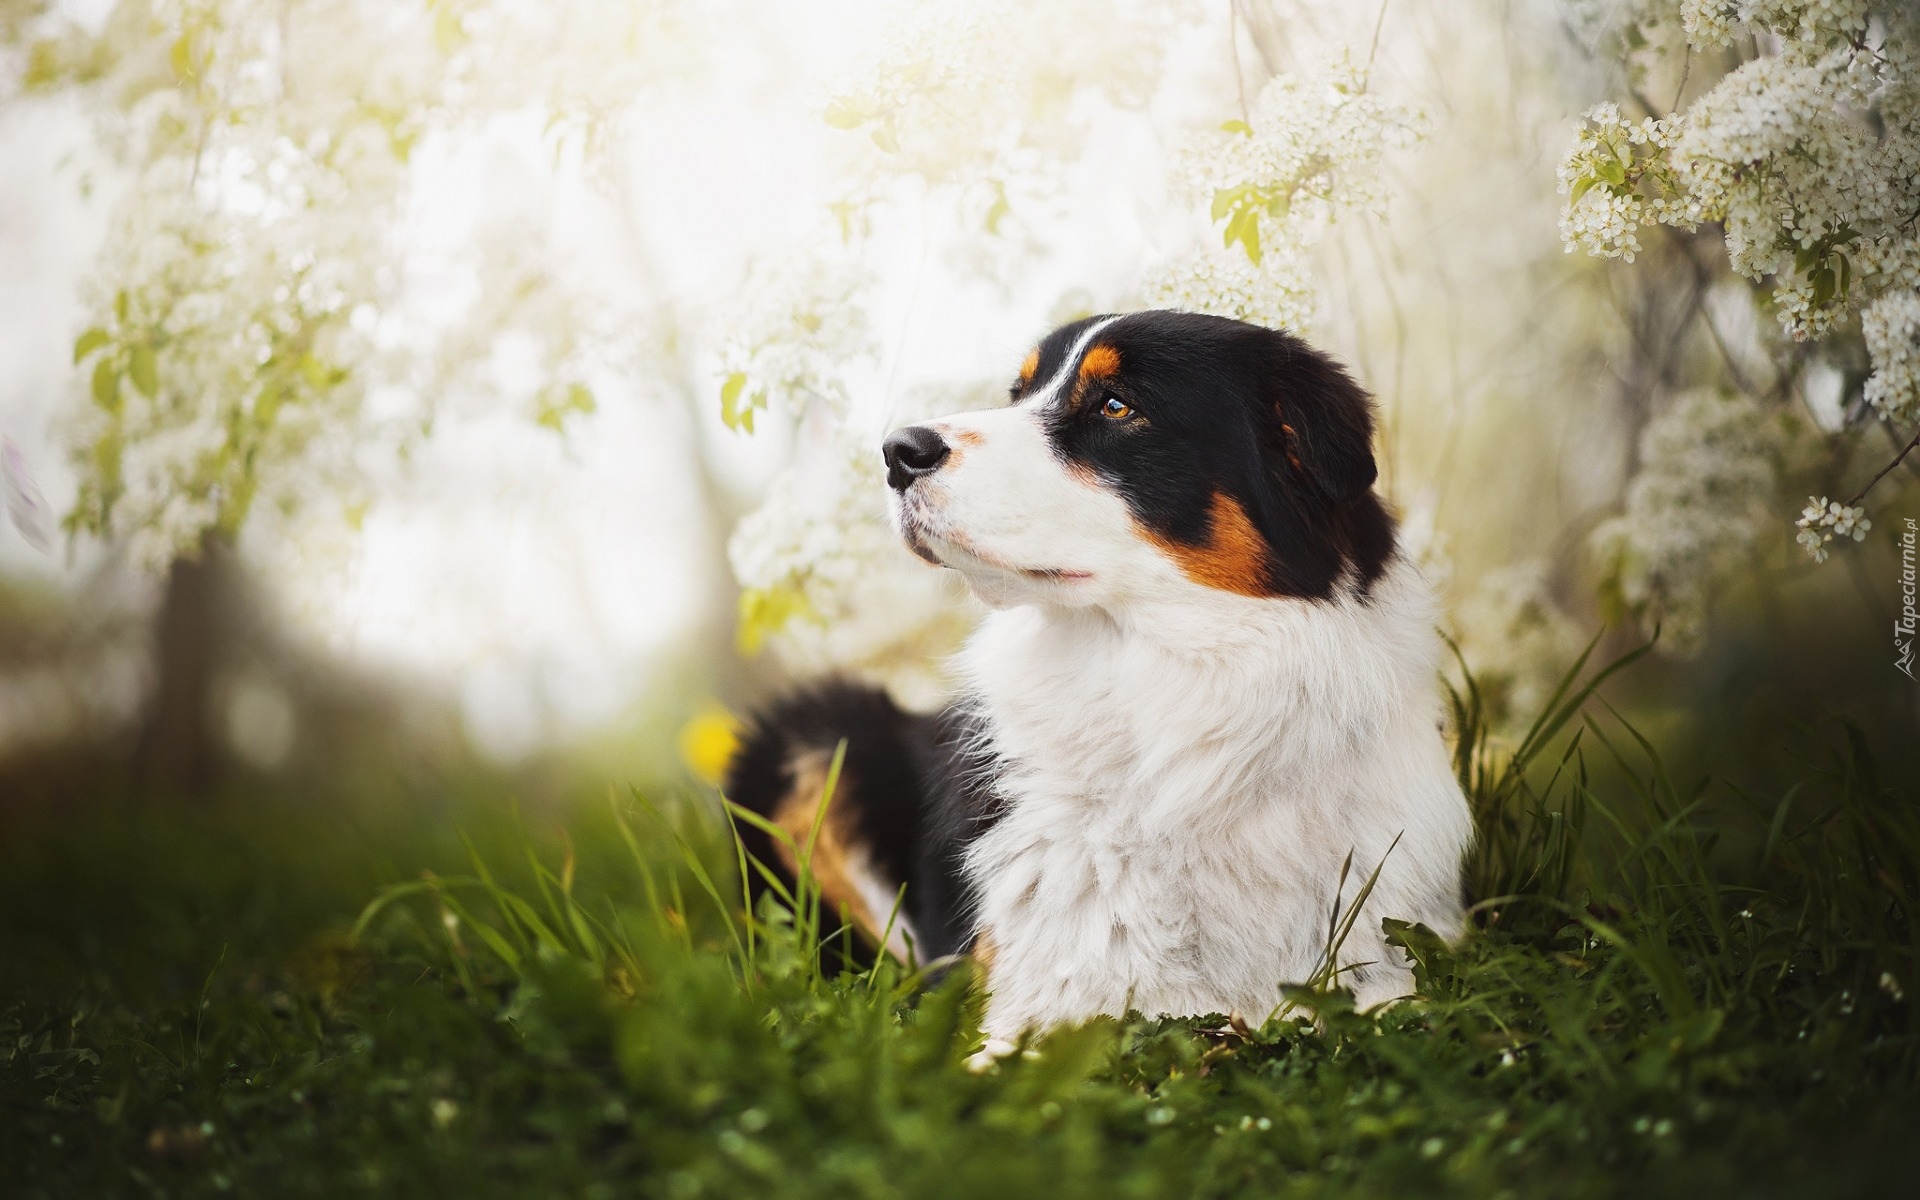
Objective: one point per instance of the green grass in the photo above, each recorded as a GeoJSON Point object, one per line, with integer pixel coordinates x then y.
{"type": "Point", "coordinates": [1672, 989]}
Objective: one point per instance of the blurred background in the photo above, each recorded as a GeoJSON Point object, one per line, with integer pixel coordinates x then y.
{"type": "Point", "coordinates": [400, 392]}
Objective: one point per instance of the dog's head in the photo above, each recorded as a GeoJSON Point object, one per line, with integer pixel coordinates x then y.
{"type": "Point", "coordinates": [1145, 455]}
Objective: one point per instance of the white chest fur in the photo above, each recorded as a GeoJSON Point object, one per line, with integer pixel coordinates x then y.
{"type": "Point", "coordinates": [1182, 787]}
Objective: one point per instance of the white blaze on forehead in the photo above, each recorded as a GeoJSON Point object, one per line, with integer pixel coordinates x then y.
{"type": "Point", "coordinates": [1068, 365]}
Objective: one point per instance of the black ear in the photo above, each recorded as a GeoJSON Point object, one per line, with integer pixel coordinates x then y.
{"type": "Point", "coordinates": [1325, 422]}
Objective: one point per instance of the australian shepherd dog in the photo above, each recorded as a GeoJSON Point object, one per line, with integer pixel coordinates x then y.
{"type": "Point", "coordinates": [1208, 681]}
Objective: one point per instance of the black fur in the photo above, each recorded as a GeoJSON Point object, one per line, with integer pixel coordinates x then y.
{"type": "Point", "coordinates": [914, 796]}
{"type": "Point", "coordinates": [1224, 406]}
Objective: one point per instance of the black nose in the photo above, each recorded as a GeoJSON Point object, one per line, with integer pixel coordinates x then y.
{"type": "Point", "coordinates": [912, 452]}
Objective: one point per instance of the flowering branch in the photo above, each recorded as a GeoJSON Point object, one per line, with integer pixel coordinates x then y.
{"type": "Point", "coordinates": [1804, 155]}
{"type": "Point", "coordinates": [1886, 470]}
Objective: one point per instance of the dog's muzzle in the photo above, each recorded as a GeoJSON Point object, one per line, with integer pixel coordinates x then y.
{"type": "Point", "coordinates": [912, 452]}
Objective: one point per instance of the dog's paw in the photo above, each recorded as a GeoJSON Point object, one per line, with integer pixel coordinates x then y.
{"type": "Point", "coordinates": [989, 1055]}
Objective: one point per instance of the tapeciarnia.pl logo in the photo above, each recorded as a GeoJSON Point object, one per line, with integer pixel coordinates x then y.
{"type": "Point", "coordinates": [1903, 628]}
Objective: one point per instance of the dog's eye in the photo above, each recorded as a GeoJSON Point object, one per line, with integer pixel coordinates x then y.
{"type": "Point", "coordinates": [1115, 408]}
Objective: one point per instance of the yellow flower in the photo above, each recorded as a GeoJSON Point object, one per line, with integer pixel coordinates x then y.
{"type": "Point", "coordinates": [707, 742]}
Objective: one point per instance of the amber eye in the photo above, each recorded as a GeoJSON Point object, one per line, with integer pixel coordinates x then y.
{"type": "Point", "coordinates": [1115, 408]}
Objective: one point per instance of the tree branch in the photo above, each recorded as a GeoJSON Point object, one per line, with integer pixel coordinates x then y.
{"type": "Point", "coordinates": [1904, 451]}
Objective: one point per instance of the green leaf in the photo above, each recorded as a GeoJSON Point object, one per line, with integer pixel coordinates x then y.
{"type": "Point", "coordinates": [449, 33]}
{"type": "Point", "coordinates": [1244, 227]}
{"type": "Point", "coordinates": [320, 374]}
{"type": "Point", "coordinates": [555, 405]}
{"type": "Point", "coordinates": [106, 385]}
{"type": "Point", "coordinates": [999, 210]}
{"type": "Point", "coordinates": [1805, 259]}
{"type": "Point", "coordinates": [88, 342]}
{"type": "Point", "coordinates": [143, 370]}
{"type": "Point", "coordinates": [1581, 187]}
{"type": "Point", "coordinates": [1613, 171]}
{"type": "Point", "coordinates": [1824, 281]}
{"type": "Point", "coordinates": [44, 64]}
{"type": "Point", "coordinates": [1240, 127]}
{"type": "Point", "coordinates": [1227, 199]}
{"type": "Point", "coordinates": [730, 398]}
{"type": "Point", "coordinates": [885, 138]}
{"type": "Point", "coordinates": [120, 305]}
{"type": "Point", "coordinates": [266, 406]}
{"type": "Point", "coordinates": [737, 404]}
{"type": "Point", "coordinates": [843, 113]}
{"type": "Point", "coordinates": [765, 611]}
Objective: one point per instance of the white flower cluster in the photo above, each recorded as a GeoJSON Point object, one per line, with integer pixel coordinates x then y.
{"type": "Point", "coordinates": [1514, 636]}
{"type": "Point", "coordinates": [223, 370]}
{"type": "Point", "coordinates": [1823, 520]}
{"type": "Point", "coordinates": [1310, 148]}
{"type": "Point", "coordinates": [1275, 292]}
{"type": "Point", "coordinates": [255, 285]}
{"type": "Point", "coordinates": [1711, 466]}
{"type": "Point", "coordinates": [1891, 327]}
{"type": "Point", "coordinates": [789, 348]}
{"type": "Point", "coordinates": [1710, 22]}
{"type": "Point", "coordinates": [974, 94]}
{"type": "Point", "coordinates": [1603, 173]}
{"type": "Point", "coordinates": [1807, 154]}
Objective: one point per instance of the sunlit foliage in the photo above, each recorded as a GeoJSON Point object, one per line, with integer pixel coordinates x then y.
{"type": "Point", "coordinates": [1804, 149]}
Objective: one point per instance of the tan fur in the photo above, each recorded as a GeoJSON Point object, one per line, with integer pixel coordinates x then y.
{"type": "Point", "coordinates": [835, 849]}
{"type": "Point", "coordinates": [1100, 362]}
{"type": "Point", "coordinates": [1234, 558]}
{"type": "Point", "coordinates": [984, 951]}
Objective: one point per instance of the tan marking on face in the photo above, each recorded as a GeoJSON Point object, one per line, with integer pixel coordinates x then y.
{"type": "Point", "coordinates": [1100, 362]}
{"type": "Point", "coordinates": [1083, 475]}
{"type": "Point", "coordinates": [962, 437]}
{"type": "Point", "coordinates": [1234, 556]}
{"type": "Point", "coordinates": [833, 849]}
{"type": "Point", "coordinates": [1030, 366]}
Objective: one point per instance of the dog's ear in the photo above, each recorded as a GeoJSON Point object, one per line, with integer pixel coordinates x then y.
{"type": "Point", "coordinates": [1325, 423]}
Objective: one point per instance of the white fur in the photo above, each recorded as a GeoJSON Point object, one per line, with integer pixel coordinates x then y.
{"type": "Point", "coordinates": [1183, 786]}
{"type": "Point", "coordinates": [1185, 769]}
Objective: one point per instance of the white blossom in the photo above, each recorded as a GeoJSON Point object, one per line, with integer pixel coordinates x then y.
{"type": "Point", "coordinates": [1310, 148]}
{"type": "Point", "coordinates": [1513, 635]}
{"type": "Point", "coordinates": [1275, 292]}
{"type": "Point", "coordinates": [1710, 468]}
{"type": "Point", "coordinates": [1891, 327]}
{"type": "Point", "coordinates": [1807, 155]}
{"type": "Point", "coordinates": [983, 93]}
{"type": "Point", "coordinates": [1822, 521]}
{"type": "Point", "coordinates": [802, 326]}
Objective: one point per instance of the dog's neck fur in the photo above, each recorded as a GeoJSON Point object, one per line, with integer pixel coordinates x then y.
{"type": "Point", "coordinates": [1182, 782]}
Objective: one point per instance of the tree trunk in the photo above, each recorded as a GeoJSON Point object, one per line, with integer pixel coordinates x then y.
{"type": "Point", "coordinates": [177, 749]}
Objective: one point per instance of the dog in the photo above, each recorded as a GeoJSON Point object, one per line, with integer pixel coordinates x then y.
{"type": "Point", "coordinates": [1201, 718]}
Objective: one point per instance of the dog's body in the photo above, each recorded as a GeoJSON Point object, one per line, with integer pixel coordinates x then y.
{"type": "Point", "coordinates": [1210, 680]}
